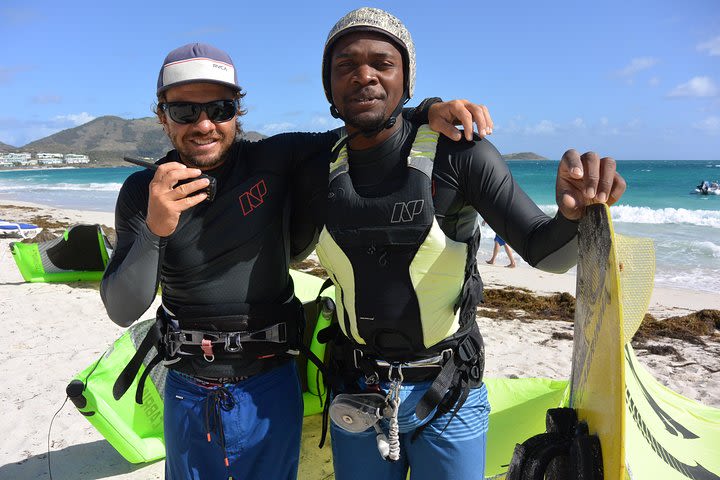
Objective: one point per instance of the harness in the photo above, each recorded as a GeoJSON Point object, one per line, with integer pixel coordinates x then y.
{"type": "Point", "coordinates": [393, 329]}
{"type": "Point", "coordinates": [258, 338]}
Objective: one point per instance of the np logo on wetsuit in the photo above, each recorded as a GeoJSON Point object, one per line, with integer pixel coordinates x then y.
{"type": "Point", "coordinates": [253, 198]}
{"type": "Point", "coordinates": [404, 212]}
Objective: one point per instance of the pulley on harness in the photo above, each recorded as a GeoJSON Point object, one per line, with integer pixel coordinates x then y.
{"type": "Point", "coordinates": [358, 412]}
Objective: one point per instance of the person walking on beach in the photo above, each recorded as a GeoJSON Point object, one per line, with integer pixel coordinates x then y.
{"type": "Point", "coordinates": [233, 406]}
{"type": "Point", "coordinates": [399, 241]}
{"type": "Point", "coordinates": [497, 243]}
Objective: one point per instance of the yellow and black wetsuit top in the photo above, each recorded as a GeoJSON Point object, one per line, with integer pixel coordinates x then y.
{"type": "Point", "coordinates": [401, 233]}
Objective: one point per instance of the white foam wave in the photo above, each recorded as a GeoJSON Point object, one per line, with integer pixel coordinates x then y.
{"type": "Point", "coordinates": [704, 281]}
{"type": "Point", "coordinates": [710, 247]}
{"type": "Point", "coordinates": [95, 187]}
{"type": "Point", "coordinates": [628, 214]}
{"type": "Point", "coordinates": [703, 218]}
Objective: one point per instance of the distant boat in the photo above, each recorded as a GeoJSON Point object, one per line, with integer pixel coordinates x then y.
{"type": "Point", "coordinates": [707, 188]}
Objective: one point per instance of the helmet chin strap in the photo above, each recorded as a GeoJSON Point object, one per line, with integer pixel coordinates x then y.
{"type": "Point", "coordinates": [389, 123]}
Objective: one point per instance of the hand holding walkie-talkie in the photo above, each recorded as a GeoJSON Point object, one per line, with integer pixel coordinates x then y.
{"type": "Point", "coordinates": [209, 190]}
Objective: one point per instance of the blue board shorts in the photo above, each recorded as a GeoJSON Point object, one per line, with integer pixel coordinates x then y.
{"type": "Point", "coordinates": [499, 240]}
{"type": "Point", "coordinates": [457, 453]}
{"type": "Point", "coordinates": [261, 425]}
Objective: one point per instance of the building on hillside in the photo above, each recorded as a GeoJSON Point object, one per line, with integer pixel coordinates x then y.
{"type": "Point", "coordinates": [12, 159]}
{"type": "Point", "coordinates": [50, 161]}
{"type": "Point", "coordinates": [76, 158]}
{"type": "Point", "coordinates": [45, 156]}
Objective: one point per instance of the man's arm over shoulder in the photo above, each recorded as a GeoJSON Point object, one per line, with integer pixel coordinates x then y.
{"type": "Point", "coordinates": [130, 281]}
{"type": "Point", "coordinates": [485, 181]}
{"type": "Point", "coordinates": [285, 153]}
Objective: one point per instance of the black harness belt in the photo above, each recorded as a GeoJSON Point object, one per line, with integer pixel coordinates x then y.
{"type": "Point", "coordinates": [454, 367]}
{"type": "Point", "coordinates": [263, 335]}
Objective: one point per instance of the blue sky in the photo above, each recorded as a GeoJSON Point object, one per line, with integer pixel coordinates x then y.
{"type": "Point", "coordinates": [631, 79]}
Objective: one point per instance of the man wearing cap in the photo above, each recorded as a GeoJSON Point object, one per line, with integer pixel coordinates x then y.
{"type": "Point", "coordinates": [399, 242]}
{"type": "Point", "coordinates": [233, 406]}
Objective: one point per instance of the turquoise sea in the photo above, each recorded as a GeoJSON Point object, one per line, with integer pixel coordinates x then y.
{"type": "Point", "coordinates": [658, 204]}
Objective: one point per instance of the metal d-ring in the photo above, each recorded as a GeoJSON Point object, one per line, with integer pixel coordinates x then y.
{"type": "Point", "coordinates": [398, 366]}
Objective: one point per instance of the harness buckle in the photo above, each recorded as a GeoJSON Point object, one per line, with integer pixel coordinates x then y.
{"type": "Point", "coordinates": [207, 349]}
{"type": "Point", "coordinates": [370, 379]}
{"type": "Point", "coordinates": [357, 355]}
{"type": "Point", "coordinates": [446, 355]}
{"type": "Point", "coordinates": [467, 350]}
{"type": "Point", "coordinates": [232, 342]}
{"type": "Point", "coordinates": [275, 333]}
{"type": "Point", "coordinates": [172, 343]}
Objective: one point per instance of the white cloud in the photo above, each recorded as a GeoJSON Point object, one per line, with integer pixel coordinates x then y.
{"type": "Point", "coordinates": [578, 122]}
{"type": "Point", "coordinates": [320, 122]}
{"type": "Point", "coordinates": [696, 87]}
{"type": "Point", "coordinates": [654, 82]}
{"type": "Point", "coordinates": [637, 65]}
{"type": "Point", "coordinates": [273, 128]}
{"type": "Point", "coordinates": [20, 134]}
{"type": "Point", "coordinates": [75, 119]}
{"type": "Point", "coordinates": [712, 46]}
{"type": "Point", "coordinates": [711, 125]}
{"type": "Point", "coordinates": [604, 121]}
{"type": "Point", "coordinates": [545, 127]}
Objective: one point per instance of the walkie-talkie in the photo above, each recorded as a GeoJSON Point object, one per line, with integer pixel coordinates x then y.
{"type": "Point", "coordinates": [210, 189]}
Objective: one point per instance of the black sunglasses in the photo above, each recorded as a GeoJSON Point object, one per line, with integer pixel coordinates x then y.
{"type": "Point", "coordinates": [188, 112]}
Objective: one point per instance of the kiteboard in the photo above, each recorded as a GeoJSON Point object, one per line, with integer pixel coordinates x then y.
{"type": "Point", "coordinates": [598, 372]}
{"type": "Point", "coordinates": [645, 431]}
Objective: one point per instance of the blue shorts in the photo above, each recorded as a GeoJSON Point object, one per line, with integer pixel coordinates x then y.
{"type": "Point", "coordinates": [458, 452]}
{"type": "Point", "coordinates": [261, 431]}
{"type": "Point", "coordinates": [499, 240]}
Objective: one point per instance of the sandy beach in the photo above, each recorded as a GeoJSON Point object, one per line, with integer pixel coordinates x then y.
{"type": "Point", "coordinates": [52, 331]}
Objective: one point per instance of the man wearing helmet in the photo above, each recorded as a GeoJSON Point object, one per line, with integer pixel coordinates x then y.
{"type": "Point", "coordinates": [399, 242]}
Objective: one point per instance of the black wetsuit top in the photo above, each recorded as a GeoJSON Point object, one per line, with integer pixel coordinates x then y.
{"type": "Point", "coordinates": [234, 250]}
{"type": "Point", "coordinates": [469, 178]}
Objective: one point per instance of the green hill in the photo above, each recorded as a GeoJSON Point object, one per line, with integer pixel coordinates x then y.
{"type": "Point", "coordinates": [107, 139]}
{"type": "Point", "coordinates": [523, 156]}
{"type": "Point", "coordinates": [5, 148]}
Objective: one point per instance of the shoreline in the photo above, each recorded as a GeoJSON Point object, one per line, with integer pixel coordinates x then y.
{"type": "Point", "coordinates": [665, 301]}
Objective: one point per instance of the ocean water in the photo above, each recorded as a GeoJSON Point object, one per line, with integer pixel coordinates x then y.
{"type": "Point", "coordinates": [658, 204]}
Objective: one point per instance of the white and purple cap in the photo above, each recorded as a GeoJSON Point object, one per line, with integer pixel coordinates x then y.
{"type": "Point", "coordinates": [197, 62]}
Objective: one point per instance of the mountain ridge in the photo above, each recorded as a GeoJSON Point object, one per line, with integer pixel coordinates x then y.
{"type": "Point", "coordinates": [108, 138]}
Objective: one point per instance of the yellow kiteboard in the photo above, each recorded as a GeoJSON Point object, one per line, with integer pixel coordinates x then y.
{"type": "Point", "coordinates": [598, 375]}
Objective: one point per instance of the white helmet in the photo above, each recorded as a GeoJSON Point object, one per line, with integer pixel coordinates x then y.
{"type": "Point", "coordinates": [372, 20]}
